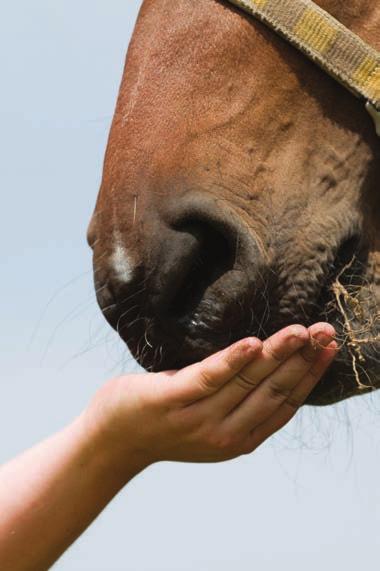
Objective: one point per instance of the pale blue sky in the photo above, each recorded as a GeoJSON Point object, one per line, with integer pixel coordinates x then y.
{"type": "Point", "coordinates": [308, 499]}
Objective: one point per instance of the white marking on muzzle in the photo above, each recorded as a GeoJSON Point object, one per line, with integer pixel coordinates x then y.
{"type": "Point", "coordinates": [122, 264]}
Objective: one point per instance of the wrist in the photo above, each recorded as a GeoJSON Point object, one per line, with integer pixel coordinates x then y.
{"type": "Point", "coordinates": [114, 451]}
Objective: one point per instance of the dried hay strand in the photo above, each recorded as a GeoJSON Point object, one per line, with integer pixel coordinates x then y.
{"type": "Point", "coordinates": [360, 323]}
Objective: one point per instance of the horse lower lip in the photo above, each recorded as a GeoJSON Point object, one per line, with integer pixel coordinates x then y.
{"type": "Point", "coordinates": [195, 322]}
{"type": "Point", "coordinates": [192, 324]}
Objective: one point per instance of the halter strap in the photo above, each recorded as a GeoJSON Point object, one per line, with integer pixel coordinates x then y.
{"type": "Point", "coordinates": [327, 42]}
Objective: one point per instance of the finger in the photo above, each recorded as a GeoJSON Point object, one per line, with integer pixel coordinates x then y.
{"type": "Point", "coordinates": [314, 331]}
{"type": "Point", "coordinates": [311, 378]}
{"type": "Point", "coordinates": [277, 387]}
{"type": "Point", "coordinates": [286, 412]}
{"type": "Point", "coordinates": [207, 377]}
{"type": "Point", "coordinates": [275, 350]}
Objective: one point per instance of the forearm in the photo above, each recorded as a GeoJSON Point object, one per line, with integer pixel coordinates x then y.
{"type": "Point", "coordinates": [51, 493]}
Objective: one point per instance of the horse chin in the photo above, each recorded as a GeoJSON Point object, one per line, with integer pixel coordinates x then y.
{"type": "Point", "coordinates": [342, 382]}
{"type": "Point", "coordinates": [356, 369]}
{"type": "Point", "coordinates": [350, 302]}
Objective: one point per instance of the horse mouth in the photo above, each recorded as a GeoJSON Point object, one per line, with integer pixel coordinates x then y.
{"type": "Point", "coordinates": [201, 324]}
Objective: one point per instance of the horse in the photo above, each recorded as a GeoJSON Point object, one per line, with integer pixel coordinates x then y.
{"type": "Point", "coordinates": [239, 194]}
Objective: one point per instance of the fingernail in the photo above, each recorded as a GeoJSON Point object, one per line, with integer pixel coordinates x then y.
{"type": "Point", "coordinates": [253, 346]}
{"type": "Point", "coordinates": [298, 331]}
{"type": "Point", "coordinates": [322, 340]}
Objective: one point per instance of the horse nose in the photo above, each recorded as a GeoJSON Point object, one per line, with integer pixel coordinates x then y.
{"type": "Point", "coordinates": [205, 258]}
{"type": "Point", "coordinates": [191, 284]}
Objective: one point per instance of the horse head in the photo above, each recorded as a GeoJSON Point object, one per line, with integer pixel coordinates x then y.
{"type": "Point", "coordinates": [239, 194]}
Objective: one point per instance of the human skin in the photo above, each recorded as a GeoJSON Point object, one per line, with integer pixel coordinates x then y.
{"type": "Point", "coordinates": [214, 410]}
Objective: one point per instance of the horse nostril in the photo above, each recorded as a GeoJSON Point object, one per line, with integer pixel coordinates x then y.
{"type": "Point", "coordinates": [349, 249]}
{"type": "Point", "coordinates": [213, 257]}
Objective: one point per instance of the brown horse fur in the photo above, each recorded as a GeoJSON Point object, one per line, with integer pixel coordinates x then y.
{"type": "Point", "coordinates": [240, 193]}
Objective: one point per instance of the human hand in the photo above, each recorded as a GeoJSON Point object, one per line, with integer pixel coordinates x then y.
{"type": "Point", "coordinates": [214, 410]}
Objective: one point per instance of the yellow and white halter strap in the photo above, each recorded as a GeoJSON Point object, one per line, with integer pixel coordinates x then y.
{"type": "Point", "coordinates": [324, 40]}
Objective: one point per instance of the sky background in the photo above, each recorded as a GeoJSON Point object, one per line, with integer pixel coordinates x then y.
{"type": "Point", "coordinates": [307, 499]}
